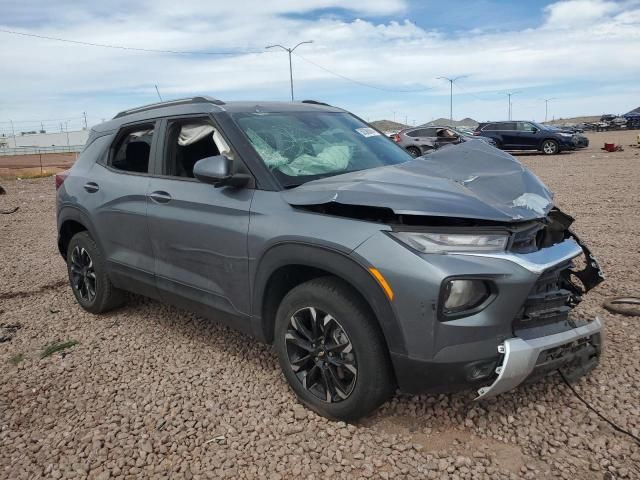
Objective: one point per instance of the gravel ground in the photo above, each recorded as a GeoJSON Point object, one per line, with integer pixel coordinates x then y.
{"type": "Point", "coordinates": [153, 391]}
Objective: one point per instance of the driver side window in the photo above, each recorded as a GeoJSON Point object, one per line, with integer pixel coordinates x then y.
{"type": "Point", "coordinates": [526, 127]}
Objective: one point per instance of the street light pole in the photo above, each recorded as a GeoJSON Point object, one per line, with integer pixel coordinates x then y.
{"type": "Point", "coordinates": [451, 80]}
{"type": "Point", "coordinates": [546, 107]}
{"type": "Point", "coordinates": [509, 94]}
{"type": "Point", "coordinates": [290, 51]}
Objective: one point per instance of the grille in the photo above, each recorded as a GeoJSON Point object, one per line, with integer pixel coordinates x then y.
{"type": "Point", "coordinates": [546, 309]}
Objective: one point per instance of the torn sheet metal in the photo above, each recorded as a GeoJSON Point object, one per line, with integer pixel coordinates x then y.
{"type": "Point", "coordinates": [469, 180]}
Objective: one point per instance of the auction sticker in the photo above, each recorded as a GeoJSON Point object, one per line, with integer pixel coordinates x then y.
{"type": "Point", "coordinates": [367, 132]}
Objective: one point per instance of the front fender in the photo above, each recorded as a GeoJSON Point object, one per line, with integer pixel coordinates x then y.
{"type": "Point", "coordinates": [349, 267]}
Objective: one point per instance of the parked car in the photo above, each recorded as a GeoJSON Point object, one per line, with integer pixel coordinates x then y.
{"type": "Point", "coordinates": [579, 140]}
{"type": "Point", "coordinates": [524, 135]}
{"type": "Point", "coordinates": [422, 140]}
{"type": "Point", "coordinates": [302, 226]}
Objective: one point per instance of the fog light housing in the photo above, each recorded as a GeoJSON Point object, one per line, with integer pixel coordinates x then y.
{"type": "Point", "coordinates": [462, 295]}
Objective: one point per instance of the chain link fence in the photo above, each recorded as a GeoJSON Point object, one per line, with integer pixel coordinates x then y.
{"type": "Point", "coordinates": [37, 150]}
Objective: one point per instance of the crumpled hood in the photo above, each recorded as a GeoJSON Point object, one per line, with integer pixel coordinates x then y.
{"type": "Point", "coordinates": [468, 180]}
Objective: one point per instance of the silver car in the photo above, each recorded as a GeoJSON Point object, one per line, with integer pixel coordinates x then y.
{"type": "Point", "coordinates": [302, 226]}
{"type": "Point", "coordinates": [423, 140]}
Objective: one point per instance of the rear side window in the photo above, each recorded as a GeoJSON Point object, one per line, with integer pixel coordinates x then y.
{"type": "Point", "coordinates": [132, 149]}
{"type": "Point", "coordinates": [419, 133]}
{"type": "Point", "coordinates": [501, 126]}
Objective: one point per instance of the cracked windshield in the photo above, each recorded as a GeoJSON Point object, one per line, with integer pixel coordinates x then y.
{"type": "Point", "coordinates": [302, 146]}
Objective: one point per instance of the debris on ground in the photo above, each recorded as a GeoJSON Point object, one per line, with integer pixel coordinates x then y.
{"type": "Point", "coordinates": [629, 306]}
{"type": "Point", "coordinates": [10, 211]}
{"type": "Point", "coordinates": [57, 347]}
{"type": "Point", "coordinates": [612, 147]}
{"type": "Point", "coordinates": [16, 359]}
{"type": "Point", "coordinates": [8, 331]}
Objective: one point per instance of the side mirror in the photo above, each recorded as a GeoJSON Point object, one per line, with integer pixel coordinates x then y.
{"type": "Point", "coordinates": [534, 130]}
{"type": "Point", "coordinates": [216, 170]}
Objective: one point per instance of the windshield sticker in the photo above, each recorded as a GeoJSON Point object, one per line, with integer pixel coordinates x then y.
{"type": "Point", "coordinates": [367, 132]}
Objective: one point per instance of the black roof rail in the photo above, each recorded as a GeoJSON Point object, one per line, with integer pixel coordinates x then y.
{"type": "Point", "coordinates": [170, 103]}
{"type": "Point", "coordinates": [315, 102]}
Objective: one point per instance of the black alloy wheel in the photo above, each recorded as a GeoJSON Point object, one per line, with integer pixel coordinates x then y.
{"type": "Point", "coordinates": [83, 274]}
{"type": "Point", "coordinates": [321, 355]}
{"type": "Point", "coordinates": [88, 276]}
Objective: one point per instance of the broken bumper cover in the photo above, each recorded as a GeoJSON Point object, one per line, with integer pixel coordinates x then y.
{"type": "Point", "coordinates": [521, 356]}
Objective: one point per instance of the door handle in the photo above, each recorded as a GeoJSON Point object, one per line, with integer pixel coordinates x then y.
{"type": "Point", "coordinates": [91, 187]}
{"type": "Point", "coordinates": [160, 196]}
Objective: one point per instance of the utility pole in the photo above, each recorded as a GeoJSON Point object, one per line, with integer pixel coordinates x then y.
{"type": "Point", "coordinates": [66, 127]}
{"type": "Point", "coordinates": [13, 133]}
{"type": "Point", "coordinates": [546, 107]}
{"type": "Point", "coordinates": [290, 51]}
{"type": "Point", "coordinates": [451, 80]}
{"type": "Point", "coordinates": [85, 120]}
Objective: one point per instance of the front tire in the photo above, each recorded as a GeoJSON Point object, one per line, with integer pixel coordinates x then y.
{"type": "Point", "coordinates": [331, 350]}
{"type": "Point", "coordinates": [414, 151]}
{"type": "Point", "coordinates": [88, 276]}
{"type": "Point", "coordinates": [550, 147]}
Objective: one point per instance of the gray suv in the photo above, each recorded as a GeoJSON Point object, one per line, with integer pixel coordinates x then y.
{"type": "Point", "coordinates": [302, 226]}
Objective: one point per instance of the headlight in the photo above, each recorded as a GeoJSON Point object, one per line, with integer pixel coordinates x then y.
{"type": "Point", "coordinates": [462, 295]}
{"type": "Point", "coordinates": [562, 134]}
{"type": "Point", "coordinates": [453, 242]}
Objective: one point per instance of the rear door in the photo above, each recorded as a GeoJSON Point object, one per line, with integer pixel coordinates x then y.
{"type": "Point", "coordinates": [198, 232]}
{"type": "Point", "coordinates": [422, 137]}
{"type": "Point", "coordinates": [509, 136]}
{"type": "Point", "coordinates": [117, 189]}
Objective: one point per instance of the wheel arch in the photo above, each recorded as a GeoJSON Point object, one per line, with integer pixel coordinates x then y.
{"type": "Point", "coordinates": [72, 220]}
{"type": "Point", "coordinates": [284, 266]}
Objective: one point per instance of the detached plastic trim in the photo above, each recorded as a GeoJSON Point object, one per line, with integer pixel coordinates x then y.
{"type": "Point", "coordinates": [520, 356]}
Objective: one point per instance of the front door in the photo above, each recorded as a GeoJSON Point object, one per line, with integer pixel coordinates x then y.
{"type": "Point", "coordinates": [198, 232]}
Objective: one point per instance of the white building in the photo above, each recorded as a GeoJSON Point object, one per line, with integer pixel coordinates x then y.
{"type": "Point", "coordinates": [39, 140]}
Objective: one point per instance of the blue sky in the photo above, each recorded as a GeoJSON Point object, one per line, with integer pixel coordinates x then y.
{"type": "Point", "coordinates": [581, 53]}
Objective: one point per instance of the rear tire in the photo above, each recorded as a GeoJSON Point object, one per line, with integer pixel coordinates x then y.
{"type": "Point", "coordinates": [550, 147]}
{"type": "Point", "coordinates": [339, 365]}
{"type": "Point", "coordinates": [414, 151]}
{"type": "Point", "coordinates": [88, 277]}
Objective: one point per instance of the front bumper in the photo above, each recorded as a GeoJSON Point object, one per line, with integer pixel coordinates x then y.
{"type": "Point", "coordinates": [429, 354]}
{"type": "Point", "coordinates": [521, 356]}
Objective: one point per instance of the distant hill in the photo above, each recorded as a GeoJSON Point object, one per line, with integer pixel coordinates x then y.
{"type": "Point", "coordinates": [388, 125]}
{"type": "Point", "coordinates": [573, 120]}
{"type": "Point", "coordinates": [465, 122]}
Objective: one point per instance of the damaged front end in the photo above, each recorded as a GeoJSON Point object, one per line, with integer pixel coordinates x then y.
{"type": "Point", "coordinates": [523, 327]}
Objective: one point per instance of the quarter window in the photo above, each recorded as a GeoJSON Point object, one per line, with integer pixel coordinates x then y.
{"type": "Point", "coordinates": [133, 149]}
